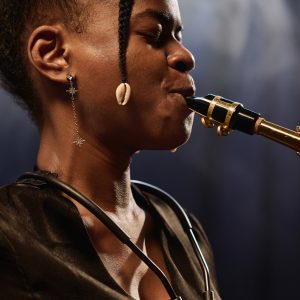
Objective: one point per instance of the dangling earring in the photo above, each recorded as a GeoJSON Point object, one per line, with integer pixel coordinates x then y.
{"type": "Point", "coordinates": [72, 91]}
{"type": "Point", "coordinates": [123, 93]}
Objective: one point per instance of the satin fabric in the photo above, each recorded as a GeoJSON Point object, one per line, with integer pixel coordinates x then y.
{"type": "Point", "coordinates": [46, 253]}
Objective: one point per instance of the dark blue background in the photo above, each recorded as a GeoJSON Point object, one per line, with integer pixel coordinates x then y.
{"type": "Point", "coordinates": [244, 189]}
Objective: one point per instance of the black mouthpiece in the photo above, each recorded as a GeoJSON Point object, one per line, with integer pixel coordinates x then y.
{"type": "Point", "coordinates": [221, 110]}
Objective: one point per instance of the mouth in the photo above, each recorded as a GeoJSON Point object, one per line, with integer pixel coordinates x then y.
{"type": "Point", "coordinates": [178, 96]}
{"type": "Point", "coordinates": [184, 91]}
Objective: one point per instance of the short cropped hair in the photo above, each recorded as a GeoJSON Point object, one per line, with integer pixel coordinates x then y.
{"type": "Point", "coordinates": [17, 17]}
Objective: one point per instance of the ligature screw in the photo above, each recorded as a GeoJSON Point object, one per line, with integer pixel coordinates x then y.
{"type": "Point", "coordinates": [223, 130]}
{"type": "Point", "coordinates": [206, 122]}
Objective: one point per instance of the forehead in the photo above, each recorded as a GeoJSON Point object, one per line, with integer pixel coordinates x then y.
{"type": "Point", "coordinates": [163, 10]}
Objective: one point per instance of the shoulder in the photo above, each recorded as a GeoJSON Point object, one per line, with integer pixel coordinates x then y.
{"type": "Point", "coordinates": [179, 219]}
{"type": "Point", "coordinates": [13, 240]}
{"type": "Point", "coordinates": [168, 203]}
{"type": "Point", "coordinates": [170, 208]}
{"type": "Point", "coordinates": [25, 208]}
{"type": "Point", "coordinates": [12, 198]}
{"type": "Point", "coordinates": [163, 198]}
{"type": "Point", "coordinates": [20, 199]}
{"type": "Point", "coordinates": [147, 188]}
{"type": "Point", "coordinates": [18, 203]}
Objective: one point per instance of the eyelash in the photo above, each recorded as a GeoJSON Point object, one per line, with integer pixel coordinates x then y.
{"type": "Point", "coordinates": [153, 39]}
{"type": "Point", "coordinates": [158, 37]}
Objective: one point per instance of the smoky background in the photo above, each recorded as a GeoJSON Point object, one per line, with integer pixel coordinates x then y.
{"type": "Point", "coordinates": [245, 190]}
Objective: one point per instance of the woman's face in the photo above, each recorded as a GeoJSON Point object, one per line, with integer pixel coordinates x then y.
{"type": "Point", "coordinates": [156, 116]}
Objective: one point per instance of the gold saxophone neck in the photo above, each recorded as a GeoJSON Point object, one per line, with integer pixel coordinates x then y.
{"type": "Point", "coordinates": [228, 115]}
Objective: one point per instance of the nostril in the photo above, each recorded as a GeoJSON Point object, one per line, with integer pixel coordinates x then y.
{"type": "Point", "coordinates": [180, 59]}
{"type": "Point", "coordinates": [181, 66]}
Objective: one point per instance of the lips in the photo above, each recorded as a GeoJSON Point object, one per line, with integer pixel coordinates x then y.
{"type": "Point", "coordinates": [184, 91]}
{"type": "Point", "coordinates": [185, 87]}
{"type": "Point", "coordinates": [182, 85]}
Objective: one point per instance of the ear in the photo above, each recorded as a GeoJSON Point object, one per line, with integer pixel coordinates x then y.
{"type": "Point", "coordinates": [48, 53]}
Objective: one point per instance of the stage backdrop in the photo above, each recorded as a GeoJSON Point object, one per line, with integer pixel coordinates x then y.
{"type": "Point", "coordinates": [244, 189]}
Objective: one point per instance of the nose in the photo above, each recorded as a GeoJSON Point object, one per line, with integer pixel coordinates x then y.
{"type": "Point", "coordinates": [181, 59]}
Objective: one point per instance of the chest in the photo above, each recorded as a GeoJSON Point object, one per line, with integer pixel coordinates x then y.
{"type": "Point", "coordinates": [129, 272]}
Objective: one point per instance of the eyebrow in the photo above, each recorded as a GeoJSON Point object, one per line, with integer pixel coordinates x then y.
{"type": "Point", "coordinates": [161, 16]}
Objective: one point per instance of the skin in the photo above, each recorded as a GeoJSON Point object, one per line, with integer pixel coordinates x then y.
{"type": "Point", "coordinates": [156, 117]}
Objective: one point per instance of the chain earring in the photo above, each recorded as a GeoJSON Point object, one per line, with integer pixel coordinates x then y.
{"type": "Point", "coordinates": [72, 91]}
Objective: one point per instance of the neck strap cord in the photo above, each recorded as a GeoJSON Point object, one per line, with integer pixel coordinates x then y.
{"type": "Point", "coordinates": [52, 181]}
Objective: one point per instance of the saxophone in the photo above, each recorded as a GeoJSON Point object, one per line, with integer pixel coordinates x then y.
{"type": "Point", "coordinates": [228, 115]}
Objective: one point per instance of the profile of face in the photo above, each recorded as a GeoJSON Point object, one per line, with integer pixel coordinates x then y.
{"type": "Point", "coordinates": [158, 65]}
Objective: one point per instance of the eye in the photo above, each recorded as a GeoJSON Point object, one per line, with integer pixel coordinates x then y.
{"type": "Point", "coordinates": [178, 34]}
{"type": "Point", "coordinates": [154, 39]}
{"type": "Point", "coordinates": [153, 36]}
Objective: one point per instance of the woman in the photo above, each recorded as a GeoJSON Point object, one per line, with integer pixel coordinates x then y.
{"type": "Point", "coordinates": [102, 81]}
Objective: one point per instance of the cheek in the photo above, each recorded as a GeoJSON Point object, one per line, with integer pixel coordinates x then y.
{"type": "Point", "coordinates": [97, 77]}
{"type": "Point", "coordinates": [161, 117]}
{"type": "Point", "coordinates": [147, 68]}
{"type": "Point", "coordinates": [146, 72]}
{"type": "Point", "coordinates": [98, 73]}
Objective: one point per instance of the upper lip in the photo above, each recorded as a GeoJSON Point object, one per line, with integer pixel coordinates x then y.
{"type": "Point", "coordinates": [184, 91]}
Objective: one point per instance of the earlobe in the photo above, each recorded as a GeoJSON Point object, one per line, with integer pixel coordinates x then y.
{"type": "Point", "coordinates": [47, 53]}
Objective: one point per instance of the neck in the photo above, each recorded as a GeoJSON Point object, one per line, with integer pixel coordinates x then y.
{"type": "Point", "coordinates": [101, 175]}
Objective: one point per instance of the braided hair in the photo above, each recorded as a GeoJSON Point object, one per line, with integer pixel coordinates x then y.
{"type": "Point", "coordinates": [17, 16]}
{"type": "Point", "coordinates": [125, 8]}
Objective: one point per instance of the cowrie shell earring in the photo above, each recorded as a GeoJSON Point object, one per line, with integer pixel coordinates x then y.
{"type": "Point", "coordinates": [123, 93]}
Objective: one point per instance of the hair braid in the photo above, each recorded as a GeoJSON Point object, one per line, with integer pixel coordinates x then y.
{"type": "Point", "coordinates": [125, 8]}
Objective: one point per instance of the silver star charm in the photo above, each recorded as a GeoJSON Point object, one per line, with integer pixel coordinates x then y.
{"type": "Point", "coordinates": [72, 91]}
{"type": "Point", "coordinates": [78, 141]}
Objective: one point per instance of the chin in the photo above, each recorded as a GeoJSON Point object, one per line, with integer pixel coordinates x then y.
{"type": "Point", "coordinates": [179, 140]}
{"type": "Point", "coordinates": [176, 136]}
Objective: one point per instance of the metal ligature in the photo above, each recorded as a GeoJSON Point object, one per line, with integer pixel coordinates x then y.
{"type": "Point", "coordinates": [228, 115]}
